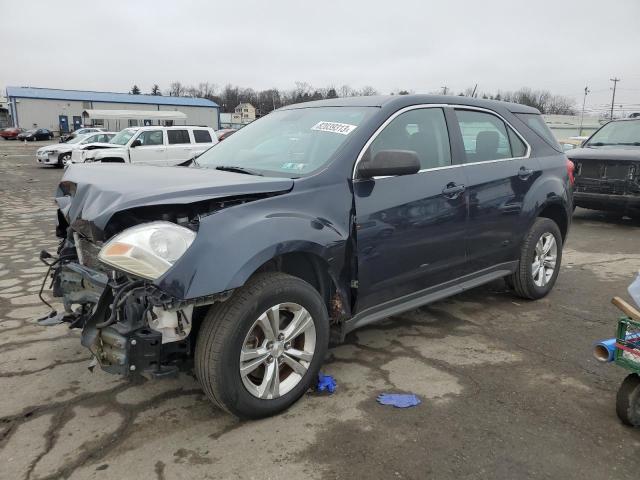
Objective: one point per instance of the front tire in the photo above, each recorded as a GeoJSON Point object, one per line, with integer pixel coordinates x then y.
{"type": "Point", "coordinates": [628, 401]}
{"type": "Point", "coordinates": [63, 160]}
{"type": "Point", "coordinates": [261, 350]}
{"type": "Point", "coordinates": [540, 258]}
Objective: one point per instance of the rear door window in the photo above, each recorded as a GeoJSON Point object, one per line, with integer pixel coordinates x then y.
{"type": "Point", "coordinates": [177, 137]}
{"type": "Point", "coordinates": [486, 137]}
{"type": "Point", "coordinates": [202, 136]}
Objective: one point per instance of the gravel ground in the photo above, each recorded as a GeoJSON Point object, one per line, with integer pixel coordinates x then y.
{"type": "Point", "coordinates": [509, 388]}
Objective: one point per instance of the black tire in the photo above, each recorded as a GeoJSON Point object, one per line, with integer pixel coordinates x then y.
{"type": "Point", "coordinates": [61, 159]}
{"type": "Point", "coordinates": [223, 331]}
{"type": "Point", "coordinates": [628, 401]}
{"type": "Point", "coordinates": [522, 279]}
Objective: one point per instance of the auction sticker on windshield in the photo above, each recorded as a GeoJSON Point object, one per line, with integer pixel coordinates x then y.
{"type": "Point", "coordinates": [341, 128]}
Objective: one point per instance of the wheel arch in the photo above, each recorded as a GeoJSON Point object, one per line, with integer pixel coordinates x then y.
{"type": "Point", "coordinates": [556, 212]}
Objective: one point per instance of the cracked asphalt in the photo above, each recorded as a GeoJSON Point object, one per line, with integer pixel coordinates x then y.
{"type": "Point", "coordinates": [509, 388]}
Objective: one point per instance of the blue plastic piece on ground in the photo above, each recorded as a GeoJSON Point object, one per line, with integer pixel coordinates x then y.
{"type": "Point", "coordinates": [606, 350]}
{"type": "Point", "coordinates": [326, 383]}
{"type": "Point", "coordinates": [399, 400]}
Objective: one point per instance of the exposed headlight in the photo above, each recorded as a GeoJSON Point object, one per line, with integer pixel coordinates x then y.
{"type": "Point", "coordinates": [147, 250]}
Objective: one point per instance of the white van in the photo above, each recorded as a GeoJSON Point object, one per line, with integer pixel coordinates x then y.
{"type": "Point", "coordinates": [154, 145]}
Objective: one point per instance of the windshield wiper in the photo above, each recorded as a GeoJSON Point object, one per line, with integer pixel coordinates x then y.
{"type": "Point", "coordinates": [635, 144]}
{"type": "Point", "coordinates": [235, 169]}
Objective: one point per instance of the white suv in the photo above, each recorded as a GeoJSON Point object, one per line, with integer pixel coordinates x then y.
{"type": "Point", "coordinates": [155, 145]}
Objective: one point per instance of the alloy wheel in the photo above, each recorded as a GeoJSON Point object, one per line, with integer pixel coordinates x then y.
{"type": "Point", "coordinates": [277, 351]}
{"type": "Point", "coordinates": [544, 259]}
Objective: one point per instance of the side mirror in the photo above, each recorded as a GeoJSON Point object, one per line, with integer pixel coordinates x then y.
{"type": "Point", "coordinates": [389, 163]}
{"type": "Point", "coordinates": [136, 143]}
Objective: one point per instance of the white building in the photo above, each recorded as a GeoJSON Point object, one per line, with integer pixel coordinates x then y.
{"type": "Point", "coordinates": [566, 126]}
{"type": "Point", "coordinates": [62, 110]}
{"type": "Point", "coordinates": [246, 111]}
{"type": "Point", "coordinates": [4, 113]}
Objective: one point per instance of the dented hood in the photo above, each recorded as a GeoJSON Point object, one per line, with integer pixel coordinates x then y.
{"type": "Point", "coordinates": [95, 192]}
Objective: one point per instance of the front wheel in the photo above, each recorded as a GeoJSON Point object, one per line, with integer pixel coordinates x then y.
{"type": "Point", "coordinates": [261, 350]}
{"type": "Point", "coordinates": [540, 257]}
{"type": "Point", "coordinates": [64, 160]}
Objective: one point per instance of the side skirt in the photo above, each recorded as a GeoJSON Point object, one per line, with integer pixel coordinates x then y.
{"type": "Point", "coordinates": [429, 295]}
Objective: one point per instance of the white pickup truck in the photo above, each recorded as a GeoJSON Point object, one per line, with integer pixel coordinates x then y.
{"type": "Point", "coordinates": [154, 145]}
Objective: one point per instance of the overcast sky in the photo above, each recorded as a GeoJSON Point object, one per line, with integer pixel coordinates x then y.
{"type": "Point", "coordinates": [559, 45]}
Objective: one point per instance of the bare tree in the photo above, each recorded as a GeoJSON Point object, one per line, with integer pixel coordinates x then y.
{"type": "Point", "coordinates": [176, 89]}
{"type": "Point", "coordinates": [155, 90]}
{"type": "Point", "coordinates": [368, 91]}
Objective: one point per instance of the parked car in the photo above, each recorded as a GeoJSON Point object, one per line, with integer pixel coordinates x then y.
{"type": "Point", "coordinates": [308, 223]}
{"type": "Point", "coordinates": [608, 169]}
{"type": "Point", "coordinates": [65, 137]}
{"type": "Point", "coordinates": [60, 154]}
{"type": "Point", "coordinates": [10, 133]}
{"type": "Point", "coordinates": [154, 145]}
{"type": "Point", "coordinates": [225, 132]}
{"type": "Point", "coordinates": [36, 134]}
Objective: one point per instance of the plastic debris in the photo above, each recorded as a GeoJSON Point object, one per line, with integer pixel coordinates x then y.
{"type": "Point", "coordinates": [399, 400]}
{"type": "Point", "coordinates": [326, 383]}
{"type": "Point", "coordinates": [634, 290]}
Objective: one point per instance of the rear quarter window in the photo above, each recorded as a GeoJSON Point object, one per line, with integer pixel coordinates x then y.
{"type": "Point", "coordinates": [536, 123]}
{"type": "Point", "coordinates": [202, 136]}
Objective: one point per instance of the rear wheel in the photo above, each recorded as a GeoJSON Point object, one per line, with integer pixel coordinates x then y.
{"type": "Point", "coordinates": [628, 401]}
{"type": "Point", "coordinates": [261, 350]}
{"type": "Point", "coordinates": [540, 257]}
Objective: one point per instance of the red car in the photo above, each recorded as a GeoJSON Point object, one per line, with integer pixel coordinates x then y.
{"type": "Point", "coordinates": [225, 132]}
{"type": "Point", "coordinates": [11, 133]}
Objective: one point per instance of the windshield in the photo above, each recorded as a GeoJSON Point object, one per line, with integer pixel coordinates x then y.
{"type": "Point", "coordinates": [123, 137]}
{"type": "Point", "coordinates": [616, 133]}
{"type": "Point", "coordinates": [289, 143]}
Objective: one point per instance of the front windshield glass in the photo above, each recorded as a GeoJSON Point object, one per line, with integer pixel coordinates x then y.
{"type": "Point", "coordinates": [123, 137]}
{"type": "Point", "coordinates": [617, 133]}
{"type": "Point", "coordinates": [289, 143]}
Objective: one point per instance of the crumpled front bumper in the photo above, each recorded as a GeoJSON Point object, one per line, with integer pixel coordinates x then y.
{"type": "Point", "coordinates": [128, 324]}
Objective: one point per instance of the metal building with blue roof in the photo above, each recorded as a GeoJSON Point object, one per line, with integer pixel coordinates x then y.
{"type": "Point", "coordinates": [66, 110]}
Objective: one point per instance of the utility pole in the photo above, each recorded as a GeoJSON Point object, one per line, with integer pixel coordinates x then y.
{"type": "Point", "coordinates": [445, 89]}
{"type": "Point", "coordinates": [584, 100]}
{"type": "Point", "coordinates": [613, 98]}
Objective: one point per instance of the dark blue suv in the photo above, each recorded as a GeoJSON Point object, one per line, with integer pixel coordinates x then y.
{"type": "Point", "coordinates": [314, 220]}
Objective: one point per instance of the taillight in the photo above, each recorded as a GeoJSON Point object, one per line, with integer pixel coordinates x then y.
{"type": "Point", "coordinates": [570, 170]}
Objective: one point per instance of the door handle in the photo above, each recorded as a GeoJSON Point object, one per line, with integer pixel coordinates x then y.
{"type": "Point", "coordinates": [524, 173]}
{"type": "Point", "coordinates": [453, 190]}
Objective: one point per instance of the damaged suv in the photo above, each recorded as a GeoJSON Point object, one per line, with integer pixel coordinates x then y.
{"type": "Point", "coordinates": [306, 224]}
{"type": "Point", "coordinates": [607, 169]}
